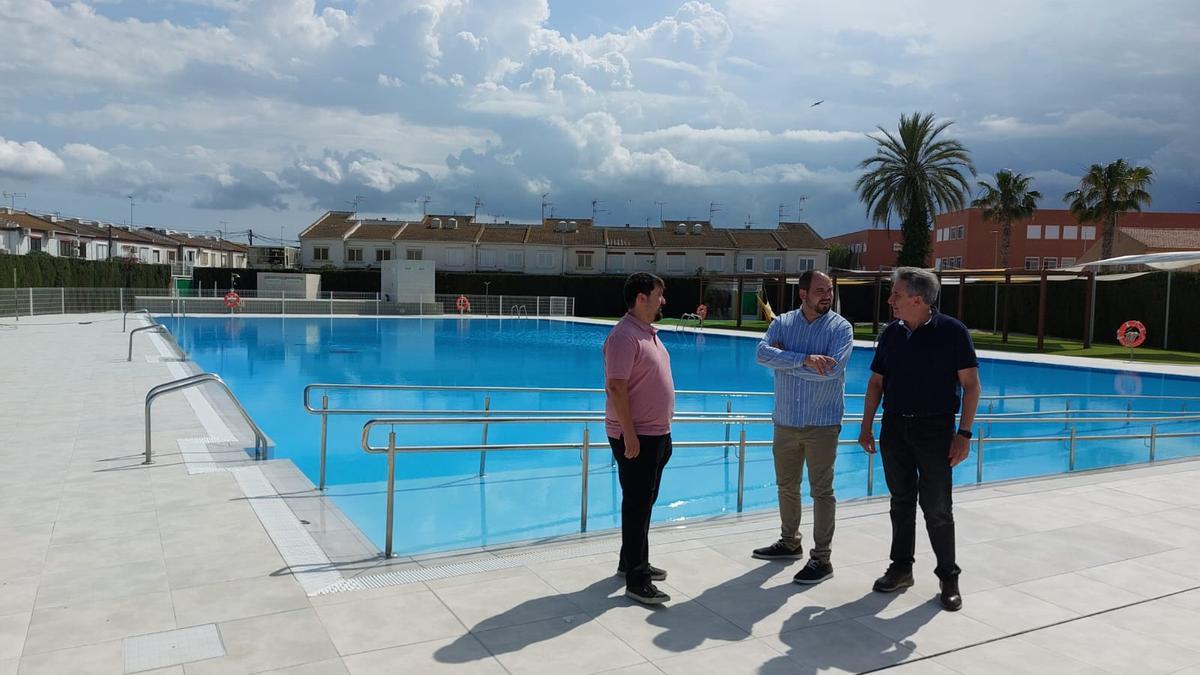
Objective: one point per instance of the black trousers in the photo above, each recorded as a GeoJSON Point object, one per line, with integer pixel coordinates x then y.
{"type": "Point", "coordinates": [916, 464]}
{"type": "Point", "coordinates": [640, 478]}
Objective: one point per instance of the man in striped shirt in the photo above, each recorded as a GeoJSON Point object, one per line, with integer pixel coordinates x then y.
{"type": "Point", "coordinates": [808, 348]}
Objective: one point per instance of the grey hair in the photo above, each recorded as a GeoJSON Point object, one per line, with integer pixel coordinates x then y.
{"type": "Point", "coordinates": [919, 282]}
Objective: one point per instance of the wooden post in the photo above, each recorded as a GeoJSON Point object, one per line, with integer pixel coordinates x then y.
{"type": "Point", "coordinates": [875, 308]}
{"type": "Point", "coordinates": [779, 296]}
{"type": "Point", "coordinates": [962, 295]}
{"type": "Point", "coordinates": [1007, 292]}
{"type": "Point", "coordinates": [1042, 312]}
{"type": "Point", "coordinates": [833, 276]}
{"type": "Point", "coordinates": [737, 304]}
{"type": "Point", "coordinates": [1087, 309]}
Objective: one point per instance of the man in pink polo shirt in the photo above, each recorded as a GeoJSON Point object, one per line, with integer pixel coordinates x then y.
{"type": "Point", "coordinates": [637, 417]}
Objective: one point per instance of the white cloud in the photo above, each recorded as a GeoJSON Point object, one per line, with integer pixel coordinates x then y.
{"type": "Point", "coordinates": [28, 160]}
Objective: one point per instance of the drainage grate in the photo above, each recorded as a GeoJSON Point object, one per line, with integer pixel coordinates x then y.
{"type": "Point", "coordinates": [173, 647]}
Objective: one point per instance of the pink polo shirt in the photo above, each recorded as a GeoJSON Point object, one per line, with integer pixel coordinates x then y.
{"type": "Point", "coordinates": [634, 353]}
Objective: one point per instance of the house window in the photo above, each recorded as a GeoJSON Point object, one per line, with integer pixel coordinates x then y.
{"type": "Point", "coordinates": [1049, 263]}
{"type": "Point", "coordinates": [937, 264]}
{"type": "Point", "coordinates": [101, 251]}
{"type": "Point", "coordinates": [414, 254]}
{"type": "Point", "coordinates": [66, 249]}
{"type": "Point", "coordinates": [1033, 232]}
{"type": "Point", "coordinates": [382, 254]}
{"type": "Point", "coordinates": [157, 256]}
{"type": "Point", "coordinates": [515, 259]}
{"type": "Point", "coordinates": [545, 260]}
{"type": "Point", "coordinates": [487, 257]}
{"type": "Point", "coordinates": [616, 262]}
{"type": "Point", "coordinates": [644, 261]}
{"type": "Point", "coordinates": [748, 264]}
{"type": "Point", "coordinates": [455, 257]}
{"type": "Point", "coordinates": [583, 260]}
{"type": "Point", "coordinates": [319, 253]}
{"type": "Point", "coordinates": [805, 264]}
{"type": "Point", "coordinates": [941, 236]}
{"type": "Point", "coordinates": [1052, 232]}
{"type": "Point", "coordinates": [676, 262]}
{"type": "Point", "coordinates": [960, 232]}
{"type": "Point", "coordinates": [773, 263]}
{"type": "Point", "coordinates": [35, 244]}
{"type": "Point", "coordinates": [143, 254]}
{"type": "Point", "coordinates": [1070, 231]}
{"type": "Point", "coordinates": [1067, 262]}
{"type": "Point", "coordinates": [354, 255]}
{"type": "Point", "coordinates": [714, 262]}
{"type": "Point", "coordinates": [1089, 232]}
{"type": "Point", "coordinates": [1031, 263]}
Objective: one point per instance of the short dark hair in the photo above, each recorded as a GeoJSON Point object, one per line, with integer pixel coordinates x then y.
{"type": "Point", "coordinates": [640, 282]}
{"type": "Point", "coordinates": [806, 279]}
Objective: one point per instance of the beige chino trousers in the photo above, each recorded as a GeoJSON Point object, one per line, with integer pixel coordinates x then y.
{"type": "Point", "coordinates": [794, 447]}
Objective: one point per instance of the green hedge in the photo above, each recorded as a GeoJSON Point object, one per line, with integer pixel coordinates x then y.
{"type": "Point", "coordinates": [40, 270]}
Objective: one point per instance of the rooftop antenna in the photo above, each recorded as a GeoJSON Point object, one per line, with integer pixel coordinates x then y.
{"type": "Point", "coordinates": [130, 198]}
{"type": "Point", "coordinates": [425, 205]}
{"type": "Point", "coordinates": [12, 199]}
{"type": "Point", "coordinates": [545, 204]}
{"type": "Point", "coordinates": [478, 203]}
{"type": "Point", "coordinates": [660, 210]}
{"type": "Point", "coordinates": [223, 229]}
{"type": "Point", "coordinates": [594, 203]}
{"type": "Point", "coordinates": [712, 208]}
{"type": "Point", "coordinates": [358, 199]}
{"type": "Point", "coordinates": [800, 206]}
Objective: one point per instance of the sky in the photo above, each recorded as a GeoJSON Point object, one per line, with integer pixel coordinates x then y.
{"type": "Point", "coordinates": [263, 114]}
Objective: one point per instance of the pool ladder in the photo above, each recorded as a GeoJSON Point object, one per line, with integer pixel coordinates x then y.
{"type": "Point", "coordinates": [261, 444]}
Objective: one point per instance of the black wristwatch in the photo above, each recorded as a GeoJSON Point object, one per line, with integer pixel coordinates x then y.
{"type": "Point", "coordinates": [965, 433]}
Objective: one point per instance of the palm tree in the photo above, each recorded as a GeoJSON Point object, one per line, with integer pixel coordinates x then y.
{"type": "Point", "coordinates": [913, 174]}
{"type": "Point", "coordinates": [1008, 200]}
{"type": "Point", "coordinates": [1105, 192]}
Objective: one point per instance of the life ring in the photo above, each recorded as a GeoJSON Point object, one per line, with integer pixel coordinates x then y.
{"type": "Point", "coordinates": [463, 304]}
{"type": "Point", "coordinates": [1131, 334]}
{"type": "Point", "coordinates": [1127, 383]}
{"type": "Point", "coordinates": [232, 300]}
{"type": "Point", "coordinates": [702, 311]}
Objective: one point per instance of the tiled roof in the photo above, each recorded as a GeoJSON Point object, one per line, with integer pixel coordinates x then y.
{"type": "Point", "coordinates": [800, 235]}
{"type": "Point", "coordinates": [756, 239]}
{"type": "Point", "coordinates": [465, 232]}
{"type": "Point", "coordinates": [505, 234]}
{"type": "Point", "coordinates": [22, 219]}
{"type": "Point", "coordinates": [669, 236]}
{"type": "Point", "coordinates": [627, 237]}
{"type": "Point", "coordinates": [381, 230]}
{"type": "Point", "coordinates": [332, 225]}
{"type": "Point", "coordinates": [1175, 238]}
{"type": "Point", "coordinates": [583, 236]}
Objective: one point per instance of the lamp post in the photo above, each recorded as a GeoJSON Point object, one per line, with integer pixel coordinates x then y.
{"type": "Point", "coordinates": [996, 287]}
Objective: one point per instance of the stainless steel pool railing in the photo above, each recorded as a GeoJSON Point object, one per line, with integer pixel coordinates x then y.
{"type": "Point", "coordinates": [981, 439]}
{"type": "Point", "coordinates": [125, 316]}
{"type": "Point", "coordinates": [260, 439]}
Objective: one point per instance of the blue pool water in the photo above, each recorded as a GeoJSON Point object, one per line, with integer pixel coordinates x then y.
{"type": "Point", "coordinates": [442, 504]}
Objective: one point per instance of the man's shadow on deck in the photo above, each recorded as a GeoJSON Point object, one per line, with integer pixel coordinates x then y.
{"type": "Point", "coordinates": [691, 623]}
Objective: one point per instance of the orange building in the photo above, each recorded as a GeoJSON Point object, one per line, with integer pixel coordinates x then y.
{"type": "Point", "coordinates": [872, 249]}
{"type": "Point", "coordinates": [1050, 239]}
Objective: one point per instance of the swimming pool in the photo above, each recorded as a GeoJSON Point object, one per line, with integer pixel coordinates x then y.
{"type": "Point", "coordinates": [442, 503]}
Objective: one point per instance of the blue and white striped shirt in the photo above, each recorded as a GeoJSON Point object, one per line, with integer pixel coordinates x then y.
{"type": "Point", "coordinates": [802, 396]}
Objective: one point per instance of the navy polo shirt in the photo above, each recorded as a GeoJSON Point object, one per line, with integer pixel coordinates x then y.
{"type": "Point", "coordinates": [920, 367]}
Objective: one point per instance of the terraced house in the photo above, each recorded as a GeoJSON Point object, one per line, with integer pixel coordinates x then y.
{"type": "Point", "coordinates": [556, 246]}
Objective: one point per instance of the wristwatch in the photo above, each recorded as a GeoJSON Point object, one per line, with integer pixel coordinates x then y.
{"type": "Point", "coordinates": [965, 433]}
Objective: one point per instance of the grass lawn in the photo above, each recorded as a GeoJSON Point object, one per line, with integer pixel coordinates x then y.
{"type": "Point", "coordinates": [989, 340]}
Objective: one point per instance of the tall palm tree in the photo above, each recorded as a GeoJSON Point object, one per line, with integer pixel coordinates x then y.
{"type": "Point", "coordinates": [1105, 192]}
{"type": "Point", "coordinates": [1008, 200]}
{"type": "Point", "coordinates": [913, 174]}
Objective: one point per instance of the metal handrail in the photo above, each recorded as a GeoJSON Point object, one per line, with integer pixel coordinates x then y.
{"type": "Point", "coordinates": [261, 444]}
{"type": "Point", "coordinates": [391, 448]}
{"type": "Point", "coordinates": [157, 328]}
{"type": "Point", "coordinates": [125, 316]}
{"type": "Point", "coordinates": [518, 310]}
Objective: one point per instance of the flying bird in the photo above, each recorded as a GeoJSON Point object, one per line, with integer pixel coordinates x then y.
{"type": "Point", "coordinates": [817, 103]}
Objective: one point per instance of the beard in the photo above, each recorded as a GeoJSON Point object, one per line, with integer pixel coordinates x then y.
{"type": "Point", "coordinates": [658, 314]}
{"type": "Point", "coordinates": [821, 307]}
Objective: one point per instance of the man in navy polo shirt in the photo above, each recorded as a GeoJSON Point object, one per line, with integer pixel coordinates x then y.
{"type": "Point", "coordinates": [925, 371]}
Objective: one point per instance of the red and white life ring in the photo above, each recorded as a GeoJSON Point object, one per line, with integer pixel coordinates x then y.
{"type": "Point", "coordinates": [1131, 334]}
{"type": "Point", "coordinates": [232, 300]}
{"type": "Point", "coordinates": [463, 304]}
{"type": "Point", "coordinates": [702, 311]}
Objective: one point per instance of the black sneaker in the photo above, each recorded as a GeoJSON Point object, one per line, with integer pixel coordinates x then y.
{"type": "Point", "coordinates": [950, 597]}
{"type": "Point", "coordinates": [778, 551]}
{"type": "Point", "coordinates": [656, 573]}
{"type": "Point", "coordinates": [814, 572]}
{"type": "Point", "coordinates": [893, 580]}
{"type": "Point", "coordinates": [647, 594]}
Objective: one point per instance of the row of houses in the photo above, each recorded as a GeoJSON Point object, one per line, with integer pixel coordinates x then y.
{"type": "Point", "coordinates": [556, 246]}
{"type": "Point", "coordinates": [22, 232]}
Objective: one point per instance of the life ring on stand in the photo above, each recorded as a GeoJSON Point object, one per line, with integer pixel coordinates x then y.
{"type": "Point", "coordinates": [233, 300]}
{"type": "Point", "coordinates": [463, 304]}
{"type": "Point", "coordinates": [1131, 334]}
{"type": "Point", "coordinates": [702, 311]}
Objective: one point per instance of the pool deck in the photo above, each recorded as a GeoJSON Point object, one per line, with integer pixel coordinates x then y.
{"type": "Point", "coordinates": [197, 564]}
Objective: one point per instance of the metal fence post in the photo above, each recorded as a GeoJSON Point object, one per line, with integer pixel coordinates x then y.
{"type": "Point", "coordinates": [741, 467]}
{"type": "Point", "coordinates": [63, 295]}
{"type": "Point", "coordinates": [979, 457]}
{"type": "Point", "coordinates": [487, 406]}
{"type": "Point", "coordinates": [30, 301]}
{"type": "Point", "coordinates": [583, 499]}
{"type": "Point", "coordinates": [728, 412]}
{"type": "Point", "coordinates": [1071, 451]}
{"type": "Point", "coordinates": [1153, 440]}
{"type": "Point", "coordinates": [501, 305]}
{"type": "Point", "coordinates": [376, 304]}
{"type": "Point", "coordinates": [391, 489]}
{"type": "Point", "coordinates": [121, 292]}
{"type": "Point", "coordinates": [324, 435]}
